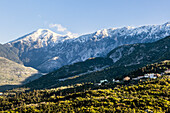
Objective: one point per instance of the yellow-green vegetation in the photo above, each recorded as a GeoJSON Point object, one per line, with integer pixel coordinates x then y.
{"type": "Point", "coordinates": [159, 67]}
{"type": "Point", "coordinates": [151, 95]}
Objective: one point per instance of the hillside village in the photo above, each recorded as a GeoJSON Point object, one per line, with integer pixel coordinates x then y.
{"type": "Point", "coordinates": [139, 78]}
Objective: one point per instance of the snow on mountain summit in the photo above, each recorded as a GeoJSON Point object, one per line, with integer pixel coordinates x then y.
{"type": "Point", "coordinates": [42, 37]}
{"type": "Point", "coordinates": [128, 32]}
{"type": "Point", "coordinates": [58, 50]}
{"type": "Point", "coordinates": [47, 36]}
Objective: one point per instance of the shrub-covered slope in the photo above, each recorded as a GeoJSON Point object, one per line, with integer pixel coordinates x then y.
{"type": "Point", "coordinates": [151, 96]}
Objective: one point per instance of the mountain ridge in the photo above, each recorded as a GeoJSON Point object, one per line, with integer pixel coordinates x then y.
{"type": "Point", "coordinates": [69, 50]}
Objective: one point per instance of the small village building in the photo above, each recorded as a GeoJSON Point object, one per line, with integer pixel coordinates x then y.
{"type": "Point", "coordinates": [158, 75]}
{"type": "Point", "coordinates": [1, 93]}
{"type": "Point", "coordinates": [146, 76]}
{"type": "Point", "coordinates": [140, 77]}
{"type": "Point", "coordinates": [97, 84]}
{"type": "Point", "coordinates": [151, 75]}
{"type": "Point", "coordinates": [117, 81]}
{"type": "Point", "coordinates": [113, 80]}
{"type": "Point", "coordinates": [102, 81]}
{"type": "Point", "coordinates": [126, 78]}
{"type": "Point", "coordinates": [148, 111]}
{"type": "Point", "coordinates": [135, 78]}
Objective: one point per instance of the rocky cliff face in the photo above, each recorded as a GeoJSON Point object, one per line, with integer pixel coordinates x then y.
{"type": "Point", "coordinates": [144, 53]}
{"type": "Point", "coordinates": [47, 51]}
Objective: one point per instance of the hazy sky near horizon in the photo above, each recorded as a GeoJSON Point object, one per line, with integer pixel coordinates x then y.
{"type": "Point", "coordinates": [20, 17]}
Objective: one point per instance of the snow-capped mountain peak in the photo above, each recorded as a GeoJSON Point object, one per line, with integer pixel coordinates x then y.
{"type": "Point", "coordinates": [42, 37]}
{"type": "Point", "coordinates": [58, 50]}
{"type": "Point", "coordinates": [39, 34]}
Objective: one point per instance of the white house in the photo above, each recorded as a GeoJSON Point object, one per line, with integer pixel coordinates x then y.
{"type": "Point", "coordinates": [117, 81]}
{"type": "Point", "coordinates": [1, 93]}
{"type": "Point", "coordinates": [148, 75]}
{"type": "Point", "coordinates": [102, 81]}
{"type": "Point", "coordinates": [113, 80]}
{"type": "Point", "coordinates": [135, 78]}
{"type": "Point", "coordinates": [151, 75]}
{"type": "Point", "coordinates": [139, 77]}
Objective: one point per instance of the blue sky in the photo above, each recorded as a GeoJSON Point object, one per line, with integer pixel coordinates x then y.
{"type": "Point", "coordinates": [19, 17]}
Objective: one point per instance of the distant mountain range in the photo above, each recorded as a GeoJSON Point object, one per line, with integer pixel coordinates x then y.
{"type": "Point", "coordinates": [120, 61]}
{"type": "Point", "coordinates": [48, 51]}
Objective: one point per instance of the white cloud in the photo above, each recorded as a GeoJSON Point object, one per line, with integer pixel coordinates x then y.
{"type": "Point", "coordinates": [64, 30]}
{"type": "Point", "coordinates": [72, 34]}
{"type": "Point", "coordinates": [58, 26]}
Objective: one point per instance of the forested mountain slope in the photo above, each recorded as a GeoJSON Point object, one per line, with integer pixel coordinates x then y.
{"type": "Point", "coordinates": [148, 53]}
